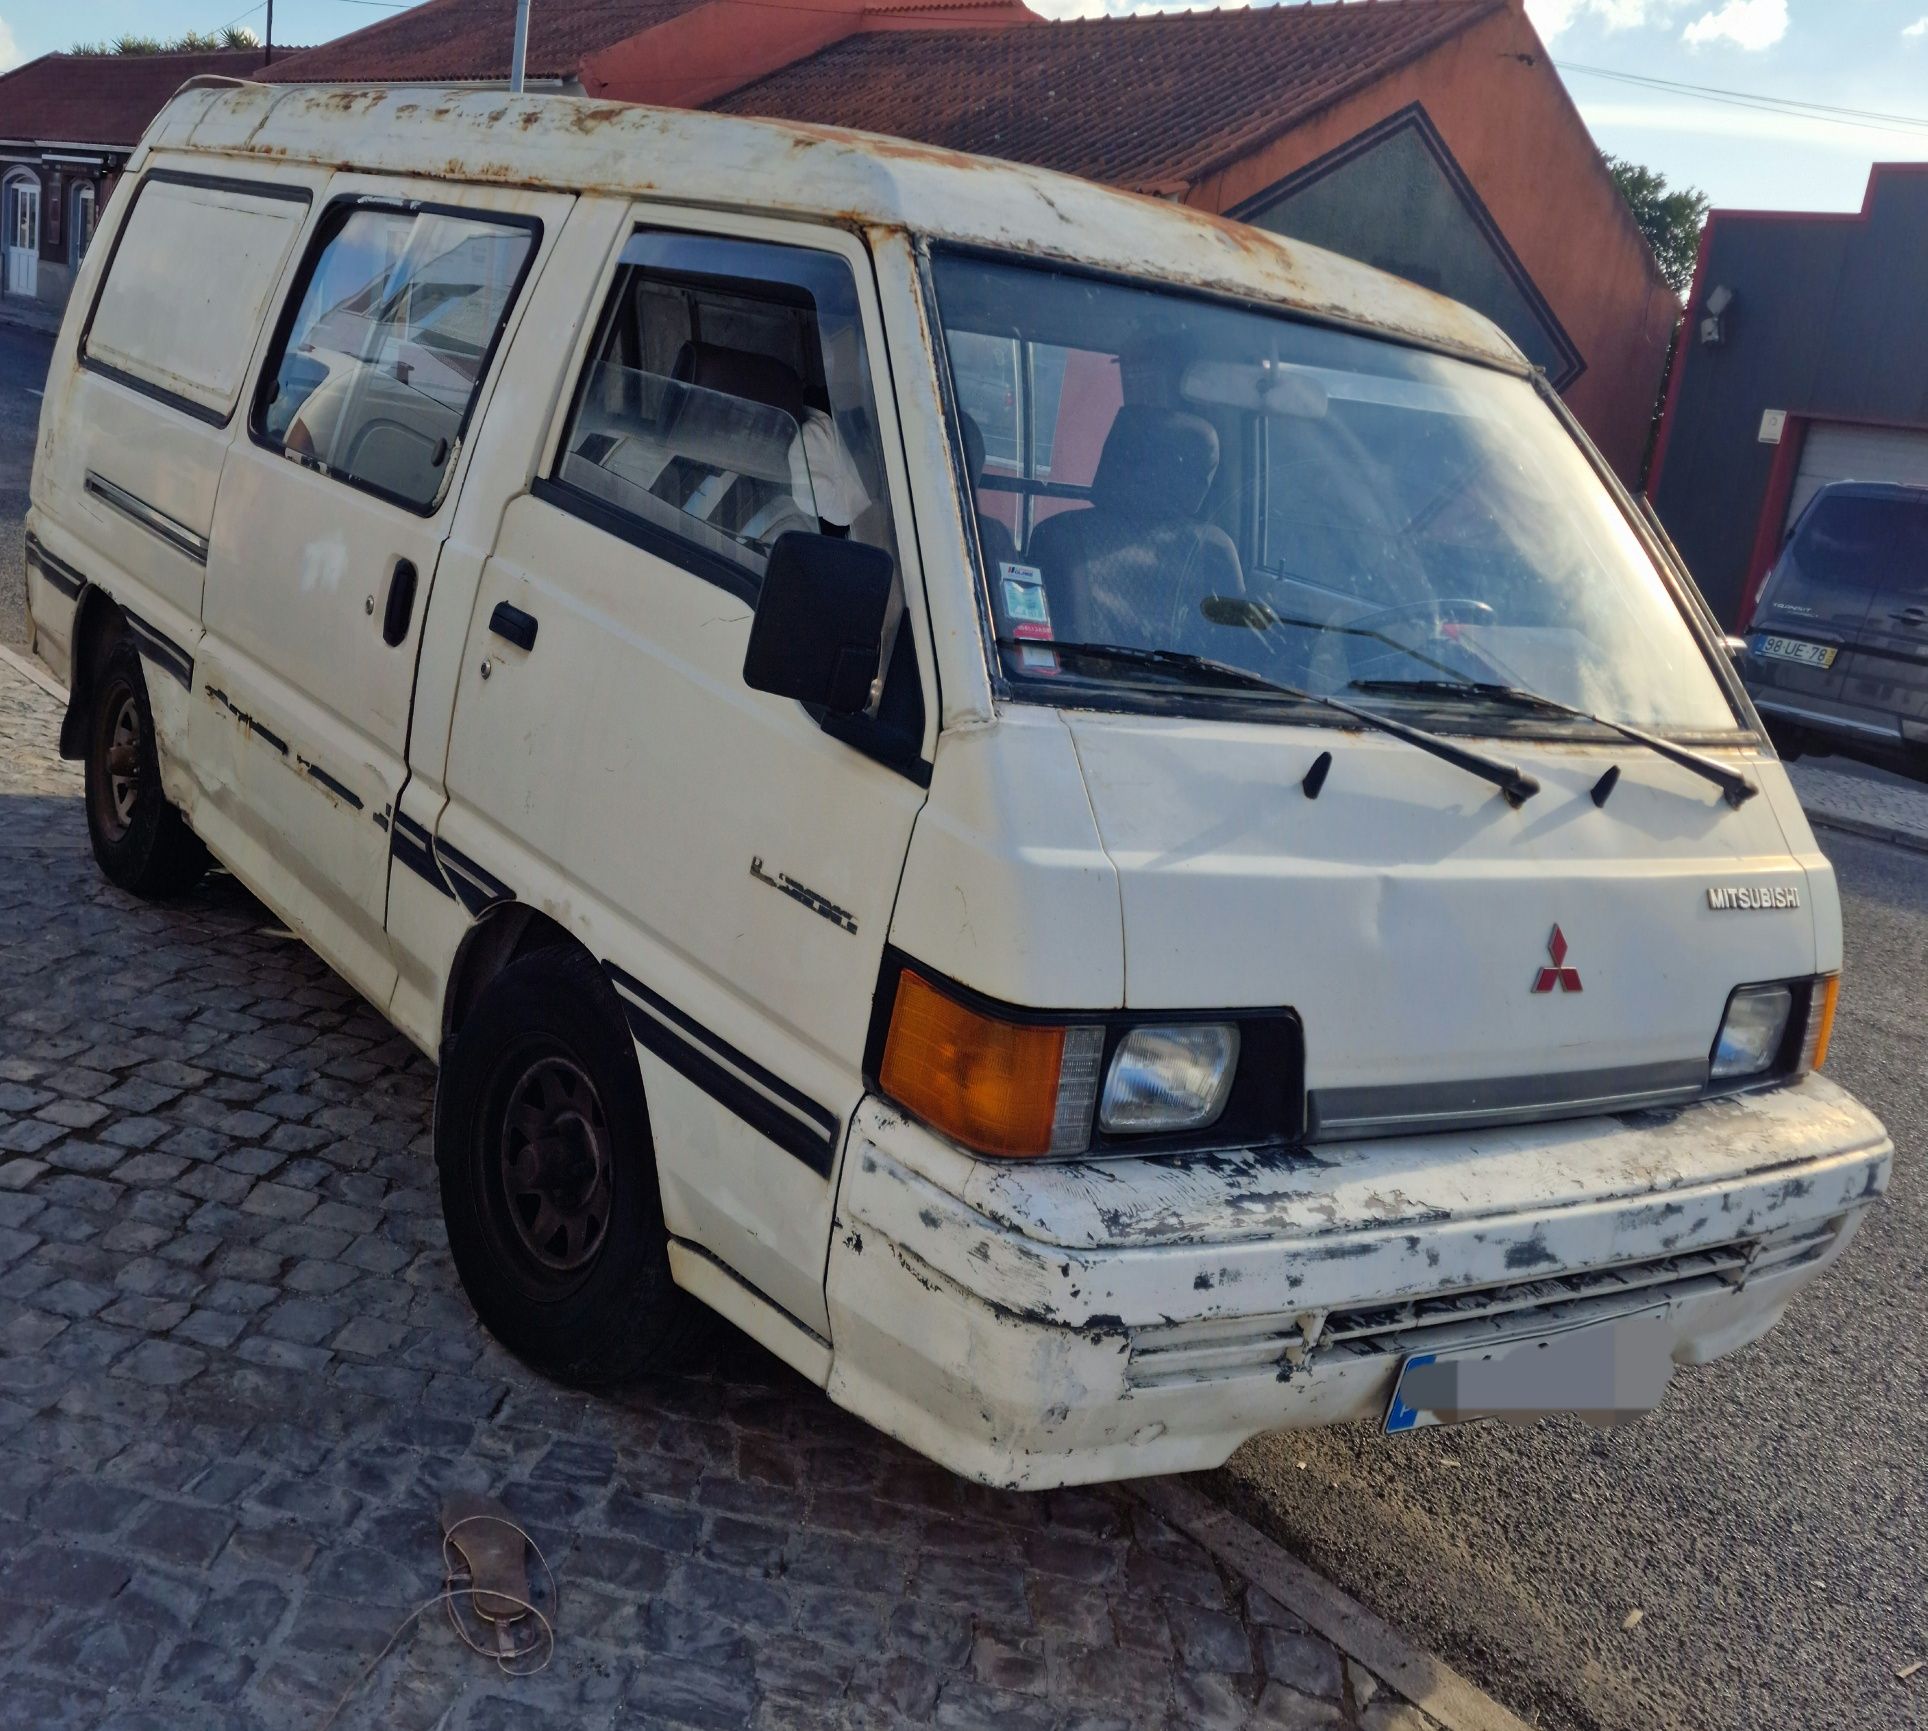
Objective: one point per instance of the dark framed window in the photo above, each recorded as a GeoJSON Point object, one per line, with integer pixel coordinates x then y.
{"type": "Point", "coordinates": [726, 401]}
{"type": "Point", "coordinates": [163, 322]}
{"type": "Point", "coordinates": [387, 340]}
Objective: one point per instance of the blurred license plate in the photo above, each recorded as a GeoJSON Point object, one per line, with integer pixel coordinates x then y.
{"type": "Point", "coordinates": [1608, 1373]}
{"type": "Point", "coordinates": [1793, 649]}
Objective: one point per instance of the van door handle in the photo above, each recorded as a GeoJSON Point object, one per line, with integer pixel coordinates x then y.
{"type": "Point", "coordinates": [401, 603]}
{"type": "Point", "coordinates": [511, 623]}
{"type": "Point", "coordinates": [1912, 615]}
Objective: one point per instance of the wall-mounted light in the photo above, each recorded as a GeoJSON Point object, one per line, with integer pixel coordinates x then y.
{"type": "Point", "coordinates": [1713, 323]}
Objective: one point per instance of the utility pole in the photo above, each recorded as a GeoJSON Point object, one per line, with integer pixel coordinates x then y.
{"type": "Point", "coordinates": [267, 53]}
{"type": "Point", "coordinates": [519, 58]}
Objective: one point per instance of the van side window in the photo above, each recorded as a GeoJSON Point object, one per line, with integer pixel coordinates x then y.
{"type": "Point", "coordinates": [188, 285]}
{"type": "Point", "coordinates": [726, 401]}
{"type": "Point", "coordinates": [395, 321]}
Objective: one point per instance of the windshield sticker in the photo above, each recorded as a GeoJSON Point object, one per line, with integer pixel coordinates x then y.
{"type": "Point", "coordinates": [1028, 612]}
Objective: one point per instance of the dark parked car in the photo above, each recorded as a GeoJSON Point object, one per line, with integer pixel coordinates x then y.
{"type": "Point", "coordinates": [1837, 654]}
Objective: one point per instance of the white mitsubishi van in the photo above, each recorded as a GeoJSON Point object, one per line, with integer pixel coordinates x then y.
{"type": "Point", "coordinates": [1104, 830]}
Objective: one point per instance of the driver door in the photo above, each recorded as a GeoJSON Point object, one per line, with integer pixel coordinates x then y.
{"type": "Point", "coordinates": [732, 864]}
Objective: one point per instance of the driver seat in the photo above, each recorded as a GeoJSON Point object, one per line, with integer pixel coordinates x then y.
{"type": "Point", "coordinates": [1133, 566]}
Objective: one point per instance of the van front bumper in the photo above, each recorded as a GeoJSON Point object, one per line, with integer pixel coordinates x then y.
{"type": "Point", "coordinates": [1039, 1324]}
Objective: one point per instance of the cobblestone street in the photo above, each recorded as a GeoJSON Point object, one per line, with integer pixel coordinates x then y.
{"type": "Point", "coordinates": [1866, 802]}
{"type": "Point", "coordinates": [238, 1379]}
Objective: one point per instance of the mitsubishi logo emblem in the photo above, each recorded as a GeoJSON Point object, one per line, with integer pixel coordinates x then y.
{"type": "Point", "coordinates": [1558, 977]}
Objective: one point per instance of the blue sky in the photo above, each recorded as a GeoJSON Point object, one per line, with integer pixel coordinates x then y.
{"type": "Point", "coordinates": [1869, 55]}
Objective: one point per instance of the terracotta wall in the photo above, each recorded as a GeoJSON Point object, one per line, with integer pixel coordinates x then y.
{"type": "Point", "coordinates": [1512, 128]}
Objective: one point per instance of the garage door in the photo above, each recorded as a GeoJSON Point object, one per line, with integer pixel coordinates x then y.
{"type": "Point", "coordinates": [1834, 451]}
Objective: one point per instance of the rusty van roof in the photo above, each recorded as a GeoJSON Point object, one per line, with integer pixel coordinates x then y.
{"type": "Point", "coordinates": [857, 179]}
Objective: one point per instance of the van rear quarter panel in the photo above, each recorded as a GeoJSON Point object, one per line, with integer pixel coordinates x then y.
{"type": "Point", "coordinates": [148, 451]}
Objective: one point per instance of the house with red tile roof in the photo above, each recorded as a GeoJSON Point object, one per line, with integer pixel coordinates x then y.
{"type": "Point", "coordinates": [67, 123]}
{"type": "Point", "coordinates": [1432, 138]}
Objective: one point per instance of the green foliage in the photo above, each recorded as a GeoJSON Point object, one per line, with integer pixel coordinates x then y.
{"type": "Point", "coordinates": [190, 42]}
{"type": "Point", "coordinates": [1671, 221]}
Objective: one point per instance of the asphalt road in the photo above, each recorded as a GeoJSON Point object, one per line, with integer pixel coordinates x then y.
{"type": "Point", "coordinates": [23, 369]}
{"type": "Point", "coordinates": [1770, 1521]}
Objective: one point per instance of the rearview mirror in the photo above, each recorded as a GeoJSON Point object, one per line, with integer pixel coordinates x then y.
{"type": "Point", "coordinates": [1261, 387]}
{"type": "Point", "coordinates": [819, 622]}
{"type": "Point", "coordinates": [1237, 611]}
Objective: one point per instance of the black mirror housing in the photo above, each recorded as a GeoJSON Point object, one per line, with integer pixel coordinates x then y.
{"type": "Point", "coordinates": [819, 625]}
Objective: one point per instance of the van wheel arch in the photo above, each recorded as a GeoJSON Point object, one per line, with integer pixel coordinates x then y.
{"type": "Point", "coordinates": [504, 934]}
{"type": "Point", "coordinates": [556, 1226]}
{"type": "Point", "coordinates": [98, 625]}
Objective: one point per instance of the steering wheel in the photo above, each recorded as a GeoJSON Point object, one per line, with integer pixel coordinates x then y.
{"type": "Point", "coordinates": [1336, 645]}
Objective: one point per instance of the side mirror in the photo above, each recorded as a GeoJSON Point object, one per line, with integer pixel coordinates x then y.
{"type": "Point", "coordinates": [1736, 648]}
{"type": "Point", "coordinates": [819, 622]}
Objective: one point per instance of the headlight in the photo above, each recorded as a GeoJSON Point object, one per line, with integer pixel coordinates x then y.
{"type": "Point", "coordinates": [1014, 1081]}
{"type": "Point", "coordinates": [1752, 1032]}
{"type": "Point", "coordinates": [1169, 1079]}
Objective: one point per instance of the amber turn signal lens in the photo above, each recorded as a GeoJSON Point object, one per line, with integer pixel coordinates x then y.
{"type": "Point", "coordinates": [992, 1085]}
{"type": "Point", "coordinates": [1820, 1026]}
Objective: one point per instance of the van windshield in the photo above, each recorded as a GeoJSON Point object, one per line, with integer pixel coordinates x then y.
{"type": "Point", "coordinates": [1158, 472]}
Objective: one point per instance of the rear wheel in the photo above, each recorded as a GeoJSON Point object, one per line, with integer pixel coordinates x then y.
{"type": "Point", "coordinates": [142, 843]}
{"type": "Point", "coordinates": [548, 1177]}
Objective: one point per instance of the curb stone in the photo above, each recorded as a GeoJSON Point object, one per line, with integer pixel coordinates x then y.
{"type": "Point", "coordinates": [1368, 1640]}
{"type": "Point", "coordinates": [28, 668]}
{"type": "Point", "coordinates": [1868, 831]}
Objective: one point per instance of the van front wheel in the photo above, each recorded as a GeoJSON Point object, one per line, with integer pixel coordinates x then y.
{"type": "Point", "coordinates": [548, 1178]}
{"type": "Point", "coordinates": [141, 842]}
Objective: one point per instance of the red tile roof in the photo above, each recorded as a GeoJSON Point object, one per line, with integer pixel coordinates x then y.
{"type": "Point", "coordinates": [1150, 101]}
{"type": "Point", "coordinates": [471, 39]}
{"type": "Point", "coordinates": [104, 99]}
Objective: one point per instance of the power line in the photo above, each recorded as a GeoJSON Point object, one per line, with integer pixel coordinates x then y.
{"type": "Point", "coordinates": [1863, 119]}
{"type": "Point", "coordinates": [380, 5]}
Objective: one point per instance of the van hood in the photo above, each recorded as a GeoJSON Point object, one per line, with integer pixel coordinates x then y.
{"type": "Point", "coordinates": [1451, 958]}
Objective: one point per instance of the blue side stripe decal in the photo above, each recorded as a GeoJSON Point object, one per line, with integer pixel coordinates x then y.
{"type": "Point", "coordinates": [160, 649]}
{"type": "Point", "coordinates": [477, 887]}
{"type": "Point", "coordinates": [61, 575]}
{"type": "Point", "coordinates": [792, 1120]}
{"type": "Point", "coordinates": [410, 843]}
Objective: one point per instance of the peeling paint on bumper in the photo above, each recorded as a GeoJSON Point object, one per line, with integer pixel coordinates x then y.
{"type": "Point", "coordinates": [1062, 1323]}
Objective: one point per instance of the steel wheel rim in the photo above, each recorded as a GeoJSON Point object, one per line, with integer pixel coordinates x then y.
{"type": "Point", "coordinates": [121, 760]}
{"type": "Point", "coordinates": [554, 1165]}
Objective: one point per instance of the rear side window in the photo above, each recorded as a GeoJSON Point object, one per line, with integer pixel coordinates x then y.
{"type": "Point", "coordinates": [373, 376]}
{"type": "Point", "coordinates": [188, 287]}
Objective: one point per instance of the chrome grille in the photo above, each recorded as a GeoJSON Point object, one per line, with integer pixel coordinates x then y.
{"type": "Point", "coordinates": [1191, 1352]}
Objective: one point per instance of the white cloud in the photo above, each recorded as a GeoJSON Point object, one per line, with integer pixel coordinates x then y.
{"type": "Point", "coordinates": [1752, 24]}
{"type": "Point", "coordinates": [1551, 17]}
{"type": "Point", "coordinates": [1918, 28]}
{"type": "Point", "coordinates": [9, 49]}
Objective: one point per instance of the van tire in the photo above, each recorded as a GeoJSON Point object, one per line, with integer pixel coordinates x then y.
{"type": "Point", "coordinates": [541, 1089]}
{"type": "Point", "coordinates": [141, 841]}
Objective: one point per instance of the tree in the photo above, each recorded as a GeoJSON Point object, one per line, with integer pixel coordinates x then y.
{"type": "Point", "coordinates": [1670, 220]}
{"type": "Point", "coordinates": [189, 42]}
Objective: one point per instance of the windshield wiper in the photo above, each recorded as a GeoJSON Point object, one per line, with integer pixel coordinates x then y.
{"type": "Point", "coordinates": [1735, 787]}
{"type": "Point", "coordinates": [1510, 779]}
